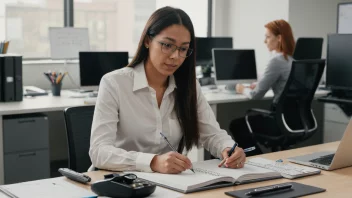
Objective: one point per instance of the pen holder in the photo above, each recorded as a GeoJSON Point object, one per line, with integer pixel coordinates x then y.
{"type": "Point", "coordinates": [56, 89]}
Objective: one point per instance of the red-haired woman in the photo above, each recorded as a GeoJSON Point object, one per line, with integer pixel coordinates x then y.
{"type": "Point", "coordinates": [280, 41]}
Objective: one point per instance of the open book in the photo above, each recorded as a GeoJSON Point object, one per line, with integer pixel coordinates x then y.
{"type": "Point", "coordinates": [208, 175]}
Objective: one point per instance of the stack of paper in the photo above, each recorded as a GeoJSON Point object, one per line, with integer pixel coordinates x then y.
{"type": "Point", "coordinates": [54, 188]}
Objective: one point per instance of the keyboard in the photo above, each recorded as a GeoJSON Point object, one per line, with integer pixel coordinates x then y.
{"type": "Point", "coordinates": [288, 171]}
{"type": "Point", "coordinates": [324, 160]}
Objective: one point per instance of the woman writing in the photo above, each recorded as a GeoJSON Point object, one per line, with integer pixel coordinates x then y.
{"type": "Point", "coordinates": [157, 92]}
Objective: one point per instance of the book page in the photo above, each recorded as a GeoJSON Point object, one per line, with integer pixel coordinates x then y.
{"type": "Point", "coordinates": [207, 173]}
{"type": "Point", "coordinates": [248, 171]}
{"type": "Point", "coordinates": [184, 181]}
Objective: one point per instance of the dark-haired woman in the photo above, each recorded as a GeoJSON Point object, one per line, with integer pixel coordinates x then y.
{"type": "Point", "coordinates": [157, 92]}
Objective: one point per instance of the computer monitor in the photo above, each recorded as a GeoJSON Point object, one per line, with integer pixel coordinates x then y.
{"type": "Point", "coordinates": [204, 45]}
{"type": "Point", "coordinates": [339, 62]}
{"type": "Point", "coordinates": [94, 65]}
{"type": "Point", "coordinates": [234, 66]}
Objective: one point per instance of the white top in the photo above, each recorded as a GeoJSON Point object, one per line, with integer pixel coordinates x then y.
{"type": "Point", "coordinates": [127, 122]}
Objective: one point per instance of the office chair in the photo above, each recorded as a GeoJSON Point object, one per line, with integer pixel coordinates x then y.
{"type": "Point", "coordinates": [292, 114]}
{"type": "Point", "coordinates": [308, 48]}
{"type": "Point", "coordinates": [78, 122]}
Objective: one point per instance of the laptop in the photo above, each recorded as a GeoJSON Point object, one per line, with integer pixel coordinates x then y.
{"type": "Point", "coordinates": [330, 160]}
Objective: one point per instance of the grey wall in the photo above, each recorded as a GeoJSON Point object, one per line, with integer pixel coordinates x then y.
{"type": "Point", "coordinates": [315, 18]}
{"type": "Point", "coordinates": [245, 23]}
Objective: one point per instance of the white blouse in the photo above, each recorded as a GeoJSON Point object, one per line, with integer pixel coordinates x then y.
{"type": "Point", "coordinates": [127, 122]}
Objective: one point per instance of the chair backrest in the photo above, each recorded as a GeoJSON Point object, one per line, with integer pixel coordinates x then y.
{"type": "Point", "coordinates": [78, 127]}
{"type": "Point", "coordinates": [308, 48]}
{"type": "Point", "coordinates": [293, 109]}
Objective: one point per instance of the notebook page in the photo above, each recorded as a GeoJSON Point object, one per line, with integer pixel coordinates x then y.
{"type": "Point", "coordinates": [247, 172]}
{"type": "Point", "coordinates": [184, 181]}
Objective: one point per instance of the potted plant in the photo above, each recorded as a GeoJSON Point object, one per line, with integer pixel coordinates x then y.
{"type": "Point", "coordinates": [206, 70]}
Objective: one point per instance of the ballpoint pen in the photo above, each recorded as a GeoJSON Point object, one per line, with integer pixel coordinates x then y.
{"type": "Point", "coordinates": [274, 188]}
{"type": "Point", "coordinates": [228, 154]}
{"type": "Point", "coordinates": [173, 148]}
{"type": "Point", "coordinates": [232, 150]}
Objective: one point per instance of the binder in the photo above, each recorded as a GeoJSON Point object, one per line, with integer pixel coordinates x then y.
{"type": "Point", "coordinates": [11, 83]}
{"type": "Point", "coordinates": [18, 78]}
{"type": "Point", "coordinates": [8, 79]}
{"type": "Point", "coordinates": [1, 79]}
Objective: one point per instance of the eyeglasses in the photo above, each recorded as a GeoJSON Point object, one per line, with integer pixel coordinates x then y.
{"type": "Point", "coordinates": [183, 52]}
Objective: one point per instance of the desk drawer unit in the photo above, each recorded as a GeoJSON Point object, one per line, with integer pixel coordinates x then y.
{"type": "Point", "coordinates": [26, 133]}
{"type": "Point", "coordinates": [335, 114]}
{"type": "Point", "coordinates": [26, 166]}
{"type": "Point", "coordinates": [26, 148]}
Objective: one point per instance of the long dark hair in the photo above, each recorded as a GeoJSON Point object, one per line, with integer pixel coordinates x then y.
{"type": "Point", "coordinates": [185, 76]}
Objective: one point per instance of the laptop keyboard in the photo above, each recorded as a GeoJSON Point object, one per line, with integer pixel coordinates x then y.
{"type": "Point", "coordinates": [324, 160]}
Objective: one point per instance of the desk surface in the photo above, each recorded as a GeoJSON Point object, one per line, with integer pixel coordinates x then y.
{"type": "Point", "coordinates": [51, 103]}
{"type": "Point", "coordinates": [337, 183]}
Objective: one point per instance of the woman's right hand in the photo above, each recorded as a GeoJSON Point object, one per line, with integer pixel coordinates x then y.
{"type": "Point", "coordinates": [171, 162]}
{"type": "Point", "coordinates": [253, 85]}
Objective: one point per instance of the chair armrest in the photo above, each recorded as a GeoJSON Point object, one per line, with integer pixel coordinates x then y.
{"type": "Point", "coordinates": [260, 111]}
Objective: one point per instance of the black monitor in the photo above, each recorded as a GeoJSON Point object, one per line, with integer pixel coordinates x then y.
{"type": "Point", "coordinates": [94, 65]}
{"type": "Point", "coordinates": [234, 66]}
{"type": "Point", "coordinates": [339, 62]}
{"type": "Point", "coordinates": [204, 45]}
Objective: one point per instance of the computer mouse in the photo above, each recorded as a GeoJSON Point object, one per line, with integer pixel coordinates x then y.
{"type": "Point", "coordinates": [116, 188]}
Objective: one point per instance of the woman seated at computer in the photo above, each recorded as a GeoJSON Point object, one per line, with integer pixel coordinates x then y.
{"type": "Point", "coordinates": [157, 93]}
{"type": "Point", "coordinates": [280, 42]}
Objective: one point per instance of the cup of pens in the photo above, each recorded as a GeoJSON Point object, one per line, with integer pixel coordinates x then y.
{"type": "Point", "coordinates": [56, 81]}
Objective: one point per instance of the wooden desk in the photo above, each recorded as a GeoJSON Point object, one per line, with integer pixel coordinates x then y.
{"type": "Point", "coordinates": [337, 183]}
{"type": "Point", "coordinates": [49, 103]}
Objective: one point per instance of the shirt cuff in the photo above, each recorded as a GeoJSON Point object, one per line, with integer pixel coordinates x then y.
{"type": "Point", "coordinates": [143, 162]}
{"type": "Point", "coordinates": [228, 143]}
{"type": "Point", "coordinates": [247, 92]}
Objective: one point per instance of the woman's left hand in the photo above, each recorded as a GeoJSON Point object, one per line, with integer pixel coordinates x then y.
{"type": "Point", "coordinates": [236, 160]}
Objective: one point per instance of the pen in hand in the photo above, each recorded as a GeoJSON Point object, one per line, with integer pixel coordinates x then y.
{"type": "Point", "coordinates": [229, 154]}
{"type": "Point", "coordinates": [173, 148]}
{"type": "Point", "coordinates": [232, 150]}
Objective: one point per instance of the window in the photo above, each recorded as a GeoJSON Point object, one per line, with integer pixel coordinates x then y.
{"type": "Point", "coordinates": [196, 9]}
{"type": "Point", "coordinates": [25, 23]}
{"type": "Point", "coordinates": [116, 25]}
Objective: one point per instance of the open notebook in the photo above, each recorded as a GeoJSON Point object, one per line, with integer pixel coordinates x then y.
{"type": "Point", "coordinates": [208, 175]}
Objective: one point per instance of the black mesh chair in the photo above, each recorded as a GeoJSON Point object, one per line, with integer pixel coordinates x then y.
{"type": "Point", "coordinates": [308, 48]}
{"type": "Point", "coordinates": [292, 113]}
{"type": "Point", "coordinates": [78, 127]}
